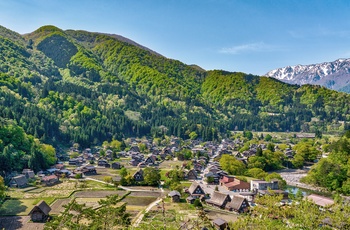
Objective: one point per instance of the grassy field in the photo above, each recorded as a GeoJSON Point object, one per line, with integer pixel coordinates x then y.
{"type": "Point", "coordinates": [19, 207]}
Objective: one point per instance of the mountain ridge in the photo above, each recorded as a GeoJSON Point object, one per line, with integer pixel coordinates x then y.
{"type": "Point", "coordinates": [333, 75]}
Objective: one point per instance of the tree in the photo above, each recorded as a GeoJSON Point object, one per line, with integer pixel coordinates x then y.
{"type": "Point", "coordinates": [123, 145]}
{"type": "Point", "coordinates": [268, 137]}
{"type": "Point", "coordinates": [109, 215]}
{"type": "Point", "coordinates": [193, 135]}
{"type": "Point", "coordinates": [281, 182]}
{"type": "Point", "coordinates": [107, 179]}
{"type": "Point", "coordinates": [123, 172]}
{"type": "Point", "coordinates": [2, 189]}
{"type": "Point", "coordinates": [257, 173]}
{"type": "Point", "coordinates": [233, 166]}
{"type": "Point", "coordinates": [259, 152]}
{"type": "Point", "coordinates": [248, 135]}
{"type": "Point", "coordinates": [151, 176]}
{"type": "Point", "coordinates": [197, 203]}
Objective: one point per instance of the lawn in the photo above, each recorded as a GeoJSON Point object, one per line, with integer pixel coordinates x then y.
{"type": "Point", "coordinates": [17, 207]}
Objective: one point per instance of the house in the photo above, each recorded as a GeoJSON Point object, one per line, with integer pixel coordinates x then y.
{"type": "Point", "coordinates": [135, 149]}
{"type": "Point", "coordinates": [40, 212]}
{"type": "Point", "coordinates": [59, 166]}
{"type": "Point", "coordinates": [28, 173]}
{"type": "Point", "coordinates": [102, 163]}
{"type": "Point", "coordinates": [190, 199]}
{"type": "Point", "coordinates": [191, 175]}
{"type": "Point", "coordinates": [320, 200]}
{"type": "Point", "coordinates": [233, 184]}
{"type": "Point", "coordinates": [134, 162]}
{"type": "Point", "coordinates": [116, 165]}
{"type": "Point", "coordinates": [219, 199]}
{"type": "Point", "coordinates": [50, 180]}
{"type": "Point", "coordinates": [257, 185]}
{"type": "Point", "coordinates": [250, 196]}
{"type": "Point", "coordinates": [212, 177]}
{"type": "Point", "coordinates": [196, 190]}
{"type": "Point", "coordinates": [220, 224]}
{"type": "Point", "coordinates": [138, 175]}
{"type": "Point", "coordinates": [142, 165]}
{"type": "Point", "coordinates": [150, 160]}
{"type": "Point", "coordinates": [238, 204]}
{"type": "Point", "coordinates": [19, 181]}
{"type": "Point", "coordinates": [88, 170]}
{"type": "Point", "coordinates": [175, 196]}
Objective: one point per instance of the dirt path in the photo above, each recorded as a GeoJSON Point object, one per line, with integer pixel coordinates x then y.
{"type": "Point", "coordinates": [142, 214]}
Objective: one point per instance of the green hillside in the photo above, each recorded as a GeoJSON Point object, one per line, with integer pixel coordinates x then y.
{"type": "Point", "coordinates": [76, 86]}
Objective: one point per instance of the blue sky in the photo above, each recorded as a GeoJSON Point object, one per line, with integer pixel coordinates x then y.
{"type": "Point", "coordinates": [252, 36]}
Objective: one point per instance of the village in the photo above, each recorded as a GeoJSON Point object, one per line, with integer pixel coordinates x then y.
{"type": "Point", "coordinates": [169, 175]}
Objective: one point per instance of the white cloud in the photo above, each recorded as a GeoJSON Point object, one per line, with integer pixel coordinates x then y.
{"type": "Point", "coordinates": [250, 47]}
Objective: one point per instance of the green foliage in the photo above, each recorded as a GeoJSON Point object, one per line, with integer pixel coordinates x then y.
{"type": "Point", "coordinates": [75, 86]}
{"type": "Point", "coordinates": [257, 173]}
{"type": "Point", "coordinates": [19, 150]}
{"type": "Point", "coordinates": [109, 215]}
{"type": "Point", "coordinates": [268, 137]}
{"type": "Point", "coordinates": [304, 152]}
{"type": "Point", "coordinates": [151, 176]}
{"type": "Point", "coordinates": [233, 166]}
{"type": "Point", "coordinates": [299, 215]}
{"type": "Point", "coordinates": [58, 48]}
{"type": "Point", "coordinates": [197, 203]}
{"type": "Point", "coordinates": [281, 182]}
{"type": "Point", "coordinates": [2, 189]}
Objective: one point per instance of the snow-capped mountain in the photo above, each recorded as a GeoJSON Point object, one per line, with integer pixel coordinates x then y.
{"type": "Point", "coordinates": [334, 75]}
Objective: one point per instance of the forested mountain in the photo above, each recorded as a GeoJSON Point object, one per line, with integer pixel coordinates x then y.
{"type": "Point", "coordinates": [76, 86]}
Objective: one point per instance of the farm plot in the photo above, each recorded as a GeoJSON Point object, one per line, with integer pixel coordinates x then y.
{"type": "Point", "coordinates": [37, 190]}
{"type": "Point", "coordinates": [62, 193]}
{"type": "Point", "coordinates": [57, 206]}
{"type": "Point", "coordinates": [146, 193]}
{"type": "Point", "coordinates": [97, 194]}
{"type": "Point", "coordinates": [89, 202]}
{"type": "Point", "coordinates": [139, 200]}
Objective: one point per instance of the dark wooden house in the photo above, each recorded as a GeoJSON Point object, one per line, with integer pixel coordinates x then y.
{"type": "Point", "coordinates": [175, 196]}
{"type": "Point", "coordinates": [116, 165]}
{"type": "Point", "coordinates": [220, 224]}
{"type": "Point", "coordinates": [40, 212]}
{"type": "Point", "coordinates": [138, 175]}
{"type": "Point", "coordinates": [19, 181]}
{"type": "Point", "coordinates": [191, 175]}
